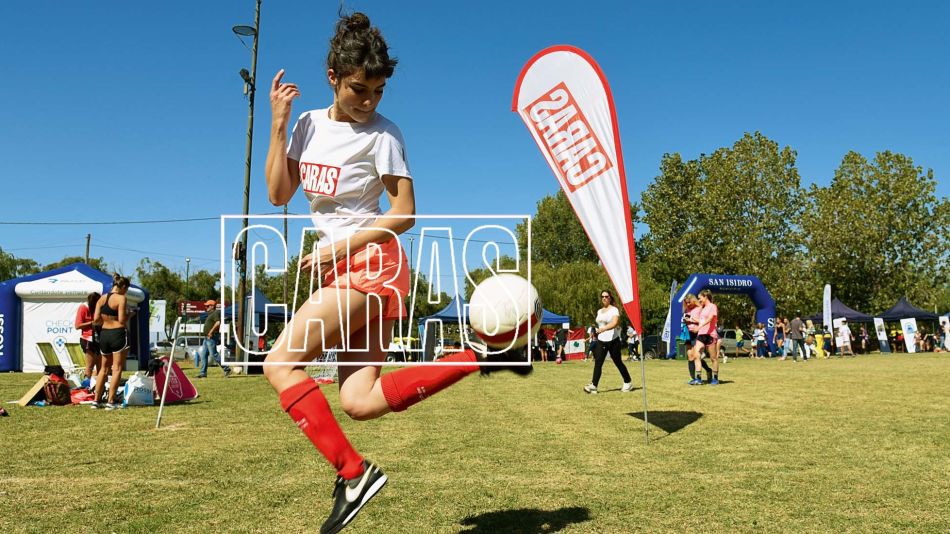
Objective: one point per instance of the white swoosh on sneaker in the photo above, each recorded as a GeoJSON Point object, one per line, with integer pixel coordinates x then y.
{"type": "Point", "coordinates": [354, 493]}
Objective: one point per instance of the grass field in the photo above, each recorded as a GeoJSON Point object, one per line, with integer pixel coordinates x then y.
{"type": "Point", "coordinates": [859, 444]}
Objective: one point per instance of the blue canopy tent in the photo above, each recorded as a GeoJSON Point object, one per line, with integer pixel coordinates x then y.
{"type": "Point", "coordinates": [262, 306]}
{"type": "Point", "coordinates": [905, 310]}
{"type": "Point", "coordinates": [456, 308]}
{"type": "Point", "coordinates": [838, 310]}
{"type": "Point", "coordinates": [42, 307]}
{"type": "Point", "coordinates": [553, 318]}
{"type": "Point", "coordinates": [263, 309]}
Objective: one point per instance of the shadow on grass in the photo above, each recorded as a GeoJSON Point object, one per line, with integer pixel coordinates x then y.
{"type": "Point", "coordinates": [669, 421]}
{"type": "Point", "coordinates": [618, 390]}
{"type": "Point", "coordinates": [525, 520]}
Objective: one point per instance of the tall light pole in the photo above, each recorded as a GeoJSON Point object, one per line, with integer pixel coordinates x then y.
{"type": "Point", "coordinates": [187, 276]}
{"type": "Point", "coordinates": [250, 82]}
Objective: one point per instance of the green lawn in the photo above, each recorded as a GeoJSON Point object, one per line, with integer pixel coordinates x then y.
{"type": "Point", "coordinates": [858, 444]}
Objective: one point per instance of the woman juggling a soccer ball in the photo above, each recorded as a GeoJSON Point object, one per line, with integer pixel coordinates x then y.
{"type": "Point", "coordinates": [345, 157]}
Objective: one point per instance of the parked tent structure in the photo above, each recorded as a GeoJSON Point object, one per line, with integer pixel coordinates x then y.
{"type": "Point", "coordinates": [905, 310]}
{"type": "Point", "coordinates": [839, 309]}
{"type": "Point", "coordinates": [453, 314]}
{"type": "Point", "coordinates": [456, 309]}
{"type": "Point", "coordinates": [41, 308]}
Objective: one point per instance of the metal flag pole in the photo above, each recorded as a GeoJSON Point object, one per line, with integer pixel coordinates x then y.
{"type": "Point", "coordinates": [643, 379]}
{"type": "Point", "coordinates": [168, 370]}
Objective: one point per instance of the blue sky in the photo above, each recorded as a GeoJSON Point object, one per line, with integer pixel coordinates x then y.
{"type": "Point", "coordinates": [123, 111]}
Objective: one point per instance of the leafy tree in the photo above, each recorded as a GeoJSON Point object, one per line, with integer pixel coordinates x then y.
{"type": "Point", "coordinates": [95, 263]}
{"type": "Point", "coordinates": [14, 267]}
{"type": "Point", "coordinates": [422, 306]}
{"type": "Point", "coordinates": [162, 284]}
{"type": "Point", "coordinates": [203, 285]}
{"type": "Point", "coordinates": [557, 236]}
{"type": "Point", "coordinates": [734, 211]}
{"type": "Point", "coordinates": [878, 232]}
{"type": "Point", "coordinates": [574, 288]}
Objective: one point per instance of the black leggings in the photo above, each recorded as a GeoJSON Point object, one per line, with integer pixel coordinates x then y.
{"type": "Point", "coordinates": [601, 349]}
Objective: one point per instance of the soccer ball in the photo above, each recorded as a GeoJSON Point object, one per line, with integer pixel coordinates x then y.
{"type": "Point", "coordinates": [502, 309]}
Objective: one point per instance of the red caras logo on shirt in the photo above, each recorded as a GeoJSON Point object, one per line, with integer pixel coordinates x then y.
{"type": "Point", "coordinates": [319, 179]}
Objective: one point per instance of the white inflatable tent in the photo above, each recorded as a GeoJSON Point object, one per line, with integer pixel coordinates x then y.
{"type": "Point", "coordinates": [48, 303]}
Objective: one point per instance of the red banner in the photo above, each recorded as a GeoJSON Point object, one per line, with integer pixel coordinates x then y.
{"type": "Point", "coordinates": [564, 99]}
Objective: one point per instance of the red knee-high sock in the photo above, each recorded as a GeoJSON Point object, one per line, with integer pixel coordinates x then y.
{"type": "Point", "coordinates": [307, 406]}
{"type": "Point", "coordinates": [405, 387]}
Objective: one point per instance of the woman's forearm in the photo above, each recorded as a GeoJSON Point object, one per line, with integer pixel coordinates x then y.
{"type": "Point", "coordinates": [276, 170]}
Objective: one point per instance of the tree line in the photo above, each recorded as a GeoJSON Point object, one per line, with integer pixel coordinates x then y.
{"type": "Point", "coordinates": [876, 232]}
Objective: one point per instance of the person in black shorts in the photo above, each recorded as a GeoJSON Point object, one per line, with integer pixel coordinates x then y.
{"type": "Point", "coordinates": [114, 339]}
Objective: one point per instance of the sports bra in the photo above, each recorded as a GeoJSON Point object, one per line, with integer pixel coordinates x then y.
{"type": "Point", "coordinates": [106, 310]}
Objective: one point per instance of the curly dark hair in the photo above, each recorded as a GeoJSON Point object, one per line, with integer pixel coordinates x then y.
{"type": "Point", "coordinates": [359, 46]}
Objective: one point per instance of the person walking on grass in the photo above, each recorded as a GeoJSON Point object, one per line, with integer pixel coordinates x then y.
{"type": "Point", "coordinates": [845, 338]}
{"type": "Point", "coordinates": [632, 341]}
{"type": "Point", "coordinates": [758, 338]}
{"type": "Point", "coordinates": [796, 339]}
{"type": "Point", "coordinates": [607, 335]}
{"type": "Point", "coordinates": [694, 357]}
{"type": "Point", "coordinates": [778, 337]}
{"type": "Point", "coordinates": [345, 157]}
{"type": "Point", "coordinates": [209, 345]}
{"type": "Point", "coordinates": [707, 336]}
{"type": "Point", "coordinates": [740, 341]}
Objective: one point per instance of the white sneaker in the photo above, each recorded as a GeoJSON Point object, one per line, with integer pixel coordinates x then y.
{"type": "Point", "coordinates": [590, 388]}
{"type": "Point", "coordinates": [628, 386]}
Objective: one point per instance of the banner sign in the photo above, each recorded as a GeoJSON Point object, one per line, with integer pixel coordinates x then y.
{"type": "Point", "coordinates": [193, 307]}
{"type": "Point", "coordinates": [826, 307]}
{"type": "Point", "coordinates": [667, 328]}
{"type": "Point", "coordinates": [51, 323]}
{"type": "Point", "coordinates": [575, 341]}
{"type": "Point", "coordinates": [909, 328]}
{"type": "Point", "coordinates": [156, 319]}
{"type": "Point", "coordinates": [564, 99]}
{"type": "Point", "coordinates": [881, 334]}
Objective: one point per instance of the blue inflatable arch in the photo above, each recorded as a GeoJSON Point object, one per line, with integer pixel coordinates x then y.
{"type": "Point", "coordinates": [728, 284]}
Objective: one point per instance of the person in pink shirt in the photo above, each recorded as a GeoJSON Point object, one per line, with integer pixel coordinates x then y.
{"type": "Point", "coordinates": [706, 332]}
{"type": "Point", "coordinates": [84, 323]}
{"type": "Point", "coordinates": [691, 314]}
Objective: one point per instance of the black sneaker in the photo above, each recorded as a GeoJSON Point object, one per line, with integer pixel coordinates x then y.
{"type": "Point", "coordinates": [512, 356]}
{"type": "Point", "coordinates": [350, 496]}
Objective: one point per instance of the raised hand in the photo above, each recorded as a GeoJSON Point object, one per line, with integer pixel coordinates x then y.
{"type": "Point", "coordinates": [282, 96]}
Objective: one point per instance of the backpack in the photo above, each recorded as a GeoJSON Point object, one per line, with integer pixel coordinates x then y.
{"type": "Point", "coordinates": [57, 391]}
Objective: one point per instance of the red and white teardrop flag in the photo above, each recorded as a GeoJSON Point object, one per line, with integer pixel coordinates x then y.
{"type": "Point", "coordinates": [563, 98]}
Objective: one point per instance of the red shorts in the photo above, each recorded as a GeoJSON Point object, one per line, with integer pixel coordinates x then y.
{"type": "Point", "coordinates": [381, 269]}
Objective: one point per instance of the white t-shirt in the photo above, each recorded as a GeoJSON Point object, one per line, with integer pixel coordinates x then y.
{"type": "Point", "coordinates": [341, 166]}
{"type": "Point", "coordinates": [604, 316]}
{"type": "Point", "coordinates": [631, 334]}
{"type": "Point", "coordinates": [844, 332]}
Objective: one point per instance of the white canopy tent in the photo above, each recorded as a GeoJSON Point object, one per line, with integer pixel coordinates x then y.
{"type": "Point", "coordinates": [49, 307]}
